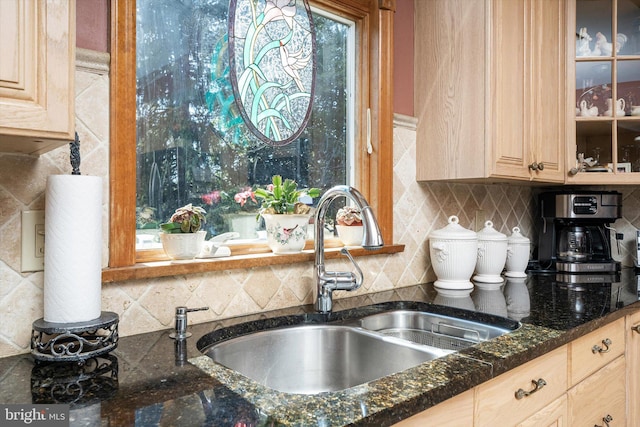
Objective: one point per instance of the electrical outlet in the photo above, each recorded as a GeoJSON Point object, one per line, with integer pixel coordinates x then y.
{"type": "Point", "coordinates": [32, 241]}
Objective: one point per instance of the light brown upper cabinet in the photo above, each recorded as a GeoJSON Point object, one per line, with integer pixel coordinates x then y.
{"type": "Point", "coordinates": [37, 47]}
{"type": "Point", "coordinates": [604, 92]}
{"type": "Point", "coordinates": [490, 83]}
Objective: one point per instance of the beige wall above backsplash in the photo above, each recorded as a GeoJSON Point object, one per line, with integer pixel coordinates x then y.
{"type": "Point", "coordinates": [148, 305]}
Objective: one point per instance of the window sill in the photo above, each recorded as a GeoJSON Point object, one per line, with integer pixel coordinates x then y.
{"type": "Point", "coordinates": [153, 269]}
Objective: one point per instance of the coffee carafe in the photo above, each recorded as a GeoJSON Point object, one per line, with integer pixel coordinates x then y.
{"type": "Point", "coordinates": [574, 244]}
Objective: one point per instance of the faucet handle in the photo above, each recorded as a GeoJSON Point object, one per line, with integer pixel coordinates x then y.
{"type": "Point", "coordinates": [180, 331]}
{"type": "Point", "coordinates": [360, 276]}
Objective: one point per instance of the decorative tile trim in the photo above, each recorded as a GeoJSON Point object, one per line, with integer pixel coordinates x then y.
{"type": "Point", "coordinates": [92, 61]}
{"type": "Point", "coordinates": [404, 121]}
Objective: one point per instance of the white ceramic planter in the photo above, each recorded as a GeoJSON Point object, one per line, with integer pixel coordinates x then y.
{"type": "Point", "coordinates": [492, 254]}
{"type": "Point", "coordinates": [453, 250]}
{"type": "Point", "coordinates": [182, 245]}
{"type": "Point", "coordinates": [245, 224]}
{"type": "Point", "coordinates": [350, 235]}
{"type": "Point", "coordinates": [286, 234]}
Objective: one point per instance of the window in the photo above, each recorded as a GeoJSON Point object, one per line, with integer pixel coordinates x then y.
{"type": "Point", "coordinates": [372, 159]}
{"type": "Point", "coordinates": [193, 145]}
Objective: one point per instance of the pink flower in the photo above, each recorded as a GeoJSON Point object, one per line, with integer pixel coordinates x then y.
{"type": "Point", "coordinates": [239, 198]}
{"type": "Point", "coordinates": [243, 196]}
{"type": "Point", "coordinates": [211, 198]}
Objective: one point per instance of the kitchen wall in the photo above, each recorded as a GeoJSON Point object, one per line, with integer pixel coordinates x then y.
{"type": "Point", "coordinates": [92, 25]}
{"type": "Point", "coordinates": [403, 58]}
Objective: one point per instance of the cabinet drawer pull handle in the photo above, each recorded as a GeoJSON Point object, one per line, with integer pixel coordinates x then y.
{"type": "Point", "coordinates": [597, 349]}
{"type": "Point", "coordinates": [606, 421]}
{"type": "Point", "coordinates": [537, 385]}
{"type": "Point", "coordinates": [636, 328]}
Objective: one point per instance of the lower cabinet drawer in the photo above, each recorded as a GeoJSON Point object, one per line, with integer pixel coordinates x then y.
{"type": "Point", "coordinates": [600, 398]}
{"type": "Point", "coordinates": [455, 412]}
{"type": "Point", "coordinates": [554, 414]}
{"type": "Point", "coordinates": [513, 397]}
{"type": "Point", "coordinates": [591, 352]}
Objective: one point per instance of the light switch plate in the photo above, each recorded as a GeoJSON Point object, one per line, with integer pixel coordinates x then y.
{"type": "Point", "coordinates": [32, 241]}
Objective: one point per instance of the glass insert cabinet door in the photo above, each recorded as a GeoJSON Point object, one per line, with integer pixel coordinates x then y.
{"type": "Point", "coordinates": [607, 95]}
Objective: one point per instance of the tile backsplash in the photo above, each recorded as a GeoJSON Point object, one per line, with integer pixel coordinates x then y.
{"type": "Point", "coordinates": [147, 305]}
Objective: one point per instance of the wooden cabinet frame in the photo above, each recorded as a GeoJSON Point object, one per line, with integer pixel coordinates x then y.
{"type": "Point", "coordinates": [37, 76]}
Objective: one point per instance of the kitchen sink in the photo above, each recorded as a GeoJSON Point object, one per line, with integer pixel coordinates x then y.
{"type": "Point", "coordinates": [306, 355]}
{"type": "Point", "coordinates": [310, 359]}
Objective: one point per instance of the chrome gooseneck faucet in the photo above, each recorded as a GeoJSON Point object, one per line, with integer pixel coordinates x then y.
{"type": "Point", "coordinates": [329, 281]}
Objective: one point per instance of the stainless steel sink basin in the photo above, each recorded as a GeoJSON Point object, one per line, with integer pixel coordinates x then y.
{"type": "Point", "coordinates": [311, 359]}
{"type": "Point", "coordinates": [431, 329]}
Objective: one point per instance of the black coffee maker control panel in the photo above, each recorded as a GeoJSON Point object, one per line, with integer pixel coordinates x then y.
{"type": "Point", "coordinates": [585, 205]}
{"type": "Point", "coordinates": [605, 205]}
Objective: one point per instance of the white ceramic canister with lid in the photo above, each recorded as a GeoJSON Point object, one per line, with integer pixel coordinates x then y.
{"type": "Point", "coordinates": [518, 250]}
{"type": "Point", "coordinates": [492, 254]}
{"type": "Point", "coordinates": [453, 251]}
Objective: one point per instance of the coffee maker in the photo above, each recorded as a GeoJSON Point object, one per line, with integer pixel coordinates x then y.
{"type": "Point", "coordinates": [574, 232]}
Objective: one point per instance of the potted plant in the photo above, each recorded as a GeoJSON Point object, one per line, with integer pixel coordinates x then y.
{"type": "Point", "coordinates": [181, 237]}
{"type": "Point", "coordinates": [349, 225]}
{"type": "Point", "coordinates": [237, 211]}
{"type": "Point", "coordinates": [286, 216]}
{"type": "Point", "coordinates": [243, 219]}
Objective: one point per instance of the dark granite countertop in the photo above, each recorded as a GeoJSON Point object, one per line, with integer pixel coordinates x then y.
{"type": "Point", "coordinates": [151, 379]}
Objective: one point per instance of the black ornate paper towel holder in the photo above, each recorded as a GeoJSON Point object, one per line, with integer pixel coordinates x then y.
{"type": "Point", "coordinates": [74, 341]}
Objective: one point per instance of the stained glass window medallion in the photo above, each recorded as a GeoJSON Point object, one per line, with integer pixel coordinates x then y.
{"type": "Point", "coordinates": [273, 63]}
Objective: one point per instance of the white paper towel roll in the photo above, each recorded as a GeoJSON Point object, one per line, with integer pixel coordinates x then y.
{"type": "Point", "coordinates": [73, 248]}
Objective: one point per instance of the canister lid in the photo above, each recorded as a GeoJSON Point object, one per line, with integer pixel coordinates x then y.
{"type": "Point", "coordinates": [490, 233]}
{"type": "Point", "coordinates": [516, 237]}
{"type": "Point", "coordinates": [454, 231]}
